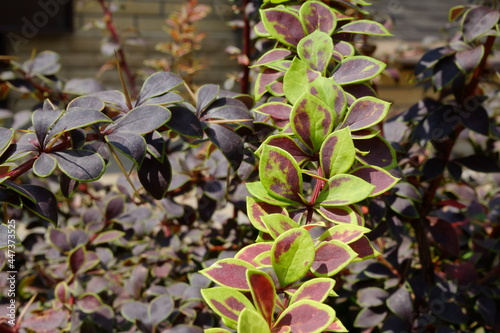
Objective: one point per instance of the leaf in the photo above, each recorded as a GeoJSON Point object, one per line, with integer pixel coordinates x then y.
{"type": "Point", "coordinates": [377, 176]}
{"type": "Point", "coordinates": [108, 237]}
{"type": "Point", "coordinates": [480, 163]}
{"type": "Point", "coordinates": [271, 56]}
{"type": "Point", "coordinates": [155, 176]}
{"type": "Point", "coordinates": [342, 214]}
{"type": "Point", "coordinates": [256, 210]}
{"type": "Point", "coordinates": [141, 120]}
{"type": "Point", "coordinates": [227, 303]}
{"type": "Point", "coordinates": [258, 190]}
{"type": "Point", "coordinates": [380, 152]}
{"type": "Point", "coordinates": [365, 112]}
{"type": "Point", "coordinates": [345, 233]}
{"type": "Point", "coordinates": [263, 293]}
{"type": "Point", "coordinates": [82, 165]}
{"type": "Point", "coordinates": [184, 122]}
{"type": "Point", "coordinates": [137, 281]}
{"type": "Point", "coordinates": [6, 241]}
{"type": "Point", "coordinates": [229, 272]}
{"type": "Point", "coordinates": [468, 60]}
{"type": "Point", "coordinates": [306, 316]}
{"type": "Point", "coordinates": [316, 289]}
{"type": "Point", "coordinates": [331, 257]}
{"type": "Point", "coordinates": [77, 117]}
{"type": "Point", "coordinates": [229, 143]}
{"type": "Point", "coordinates": [252, 322]}
{"type": "Point", "coordinates": [446, 237]}
{"type": "Point", "coordinates": [364, 249]}
{"type": "Point", "coordinates": [112, 98]}
{"type": "Point", "coordinates": [400, 303]}
{"type": "Point", "coordinates": [160, 308]}
{"type": "Point", "coordinates": [476, 119]}
{"type": "Point", "coordinates": [316, 49]}
{"type": "Point", "coordinates": [266, 80]}
{"type": "Point", "coordinates": [158, 84]}
{"type": "Point", "coordinates": [205, 96]}
{"type": "Point", "coordinates": [403, 207]}
{"type": "Point", "coordinates": [76, 259]}
{"type": "Point", "coordinates": [280, 175]}
{"type": "Point", "coordinates": [277, 224]}
{"type": "Point", "coordinates": [357, 69]}
{"type": "Point", "coordinates": [365, 27]}
{"type": "Point", "coordinates": [129, 144]}
{"type": "Point", "coordinates": [371, 297]}
{"type": "Point", "coordinates": [478, 21]}
{"type": "Point", "coordinates": [6, 136]}
{"type": "Point", "coordinates": [298, 76]}
{"type": "Point", "coordinates": [330, 93]}
{"type": "Point", "coordinates": [445, 72]}
{"type": "Point", "coordinates": [287, 143]}
{"type": "Point", "coordinates": [250, 252]}
{"type": "Point", "coordinates": [89, 302]}
{"type": "Point", "coordinates": [44, 165]}
{"type": "Point", "coordinates": [312, 120]}
{"type": "Point", "coordinates": [337, 153]}
{"type": "Point", "coordinates": [344, 190]}
{"type": "Point", "coordinates": [44, 63]}
{"type": "Point", "coordinates": [43, 121]}
{"type": "Point", "coordinates": [317, 16]}
{"type": "Point", "coordinates": [283, 25]}
{"type": "Point", "coordinates": [370, 317]}
{"type": "Point", "coordinates": [135, 310]}
{"type": "Point", "coordinates": [292, 255]}
{"type": "Point", "coordinates": [279, 112]}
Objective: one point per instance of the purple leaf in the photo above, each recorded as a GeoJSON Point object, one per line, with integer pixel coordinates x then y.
{"type": "Point", "coordinates": [283, 25]}
{"type": "Point", "coordinates": [288, 144]}
{"type": "Point", "coordinates": [76, 259]}
{"type": "Point", "coordinates": [263, 293]}
{"type": "Point", "coordinates": [357, 69]}
{"type": "Point", "coordinates": [382, 179]}
{"type": "Point", "coordinates": [271, 56]}
{"type": "Point", "coordinates": [158, 84]}
{"type": "Point", "coordinates": [345, 233]}
{"type": "Point", "coordinates": [250, 252]}
{"type": "Point", "coordinates": [155, 176]}
{"type": "Point", "coordinates": [229, 272]}
{"type": "Point", "coordinates": [478, 21]}
{"type": "Point", "coordinates": [338, 214]}
{"type": "Point", "coordinates": [306, 316]}
{"type": "Point", "coordinates": [256, 210]}
{"type": "Point", "coordinates": [331, 257]}
{"type": "Point", "coordinates": [380, 152]}
{"type": "Point", "coordinates": [265, 79]}
{"type": "Point", "coordinates": [229, 143]}
{"type": "Point", "coordinates": [184, 122]}
{"type": "Point", "coordinates": [318, 16]}
{"type": "Point", "coordinates": [130, 144]}
{"type": "Point", "coordinates": [365, 27]}
{"type": "Point", "coordinates": [44, 165]}
{"type": "Point", "coordinates": [279, 112]}
{"type": "Point", "coordinates": [89, 302]}
{"type": "Point", "coordinates": [82, 165]}
{"type": "Point", "coordinates": [108, 237]}
{"type": "Point", "coordinates": [141, 120]}
{"type": "Point", "coordinates": [316, 289]}
{"type": "Point", "coordinates": [365, 112]}
{"type": "Point", "coordinates": [363, 248]}
{"type": "Point", "coordinates": [469, 59]}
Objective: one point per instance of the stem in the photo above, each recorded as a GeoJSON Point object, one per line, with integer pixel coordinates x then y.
{"type": "Point", "coordinates": [108, 18]}
{"type": "Point", "coordinates": [125, 173]}
{"type": "Point", "coordinates": [245, 80]}
{"type": "Point", "coordinates": [25, 309]}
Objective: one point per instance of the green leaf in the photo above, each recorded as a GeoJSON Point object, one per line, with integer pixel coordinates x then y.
{"type": "Point", "coordinates": [263, 294]}
{"type": "Point", "coordinates": [330, 93]}
{"type": "Point", "coordinates": [357, 69]}
{"type": "Point", "coordinates": [311, 120]}
{"type": "Point", "coordinates": [256, 210]}
{"type": "Point", "coordinates": [331, 257]}
{"type": "Point", "coordinates": [298, 76]}
{"type": "Point", "coordinates": [252, 322]}
{"type": "Point", "coordinates": [277, 224]}
{"type": "Point", "coordinates": [280, 175]}
{"type": "Point", "coordinates": [216, 330]}
{"type": "Point", "coordinates": [258, 190]}
{"type": "Point", "coordinates": [344, 190]}
{"type": "Point", "coordinates": [292, 255]}
{"type": "Point", "coordinates": [306, 316]}
{"type": "Point", "coordinates": [337, 153]}
{"type": "Point", "coordinates": [227, 303]}
{"type": "Point", "coordinates": [283, 25]}
{"type": "Point", "coordinates": [316, 49]}
{"type": "Point", "coordinates": [365, 112]}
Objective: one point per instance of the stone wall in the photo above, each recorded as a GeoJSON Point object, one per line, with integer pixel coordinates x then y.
{"type": "Point", "coordinates": [81, 50]}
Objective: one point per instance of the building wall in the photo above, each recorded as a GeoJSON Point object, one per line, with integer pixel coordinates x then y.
{"type": "Point", "coordinates": [80, 50]}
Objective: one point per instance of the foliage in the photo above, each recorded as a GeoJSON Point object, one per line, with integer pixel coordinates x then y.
{"type": "Point", "coordinates": [185, 41]}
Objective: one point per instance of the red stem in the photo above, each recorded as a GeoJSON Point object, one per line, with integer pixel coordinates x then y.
{"type": "Point", "coordinates": [108, 18]}
{"type": "Point", "coordinates": [245, 80]}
